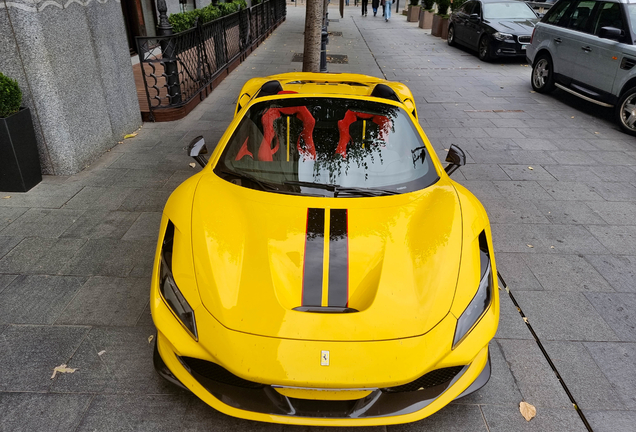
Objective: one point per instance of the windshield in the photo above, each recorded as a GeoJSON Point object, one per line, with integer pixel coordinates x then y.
{"type": "Point", "coordinates": [516, 10]}
{"type": "Point", "coordinates": [333, 147]}
{"type": "Point", "coordinates": [631, 10]}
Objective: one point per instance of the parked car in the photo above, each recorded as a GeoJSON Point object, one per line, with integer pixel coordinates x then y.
{"type": "Point", "coordinates": [323, 268]}
{"type": "Point", "coordinates": [495, 28]}
{"type": "Point", "coordinates": [586, 47]}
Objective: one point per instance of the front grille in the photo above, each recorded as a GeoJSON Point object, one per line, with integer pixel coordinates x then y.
{"type": "Point", "coordinates": [431, 379]}
{"type": "Point", "coordinates": [217, 373]}
{"type": "Point", "coordinates": [524, 39]}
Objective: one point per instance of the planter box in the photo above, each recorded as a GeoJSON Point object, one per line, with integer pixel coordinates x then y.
{"type": "Point", "coordinates": [436, 28]}
{"type": "Point", "coordinates": [444, 28]}
{"type": "Point", "coordinates": [19, 160]}
{"type": "Point", "coordinates": [413, 14]}
{"type": "Point", "coordinates": [426, 20]}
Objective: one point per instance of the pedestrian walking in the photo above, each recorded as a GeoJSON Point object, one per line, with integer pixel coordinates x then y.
{"type": "Point", "coordinates": [346, 2]}
{"type": "Point", "coordinates": [383, 8]}
{"type": "Point", "coordinates": [374, 5]}
{"type": "Point", "coordinates": [387, 10]}
{"type": "Point", "coordinates": [365, 3]}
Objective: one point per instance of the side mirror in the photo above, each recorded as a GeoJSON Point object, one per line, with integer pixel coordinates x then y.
{"type": "Point", "coordinates": [196, 150]}
{"type": "Point", "coordinates": [474, 17]}
{"type": "Point", "coordinates": [455, 158]}
{"type": "Point", "coordinates": [610, 33]}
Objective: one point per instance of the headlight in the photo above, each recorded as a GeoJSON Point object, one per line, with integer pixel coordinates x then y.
{"type": "Point", "coordinates": [480, 303]}
{"type": "Point", "coordinates": [168, 287]}
{"type": "Point", "coordinates": [502, 36]}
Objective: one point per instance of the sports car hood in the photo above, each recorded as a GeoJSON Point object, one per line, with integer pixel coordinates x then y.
{"type": "Point", "coordinates": [513, 26]}
{"type": "Point", "coordinates": [259, 255]}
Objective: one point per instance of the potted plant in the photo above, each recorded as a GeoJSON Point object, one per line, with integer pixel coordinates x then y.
{"type": "Point", "coordinates": [19, 160]}
{"type": "Point", "coordinates": [440, 20]}
{"type": "Point", "coordinates": [414, 11]}
{"type": "Point", "coordinates": [426, 16]}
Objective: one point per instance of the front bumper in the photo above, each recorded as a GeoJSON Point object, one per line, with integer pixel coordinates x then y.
{"type": "Point", "coordinates": [508, 48]}
{"type": "Point", "coordinates": [292, 387]}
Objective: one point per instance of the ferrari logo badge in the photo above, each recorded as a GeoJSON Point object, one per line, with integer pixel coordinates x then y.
{"type": "Point", "coordinates": [324, 358]}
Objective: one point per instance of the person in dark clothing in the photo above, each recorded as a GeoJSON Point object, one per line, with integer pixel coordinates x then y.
{"type": "Point", "coordinates": [374, 5]}
{"type": "Point", "coordinates": [365, 3]}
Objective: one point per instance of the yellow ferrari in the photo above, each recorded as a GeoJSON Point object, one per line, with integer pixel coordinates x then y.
{"type": "Point", "coordinates": [323, 268]}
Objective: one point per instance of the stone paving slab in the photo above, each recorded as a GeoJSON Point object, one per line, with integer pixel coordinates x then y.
{"type": "Point", "coordinates": [76, 252]}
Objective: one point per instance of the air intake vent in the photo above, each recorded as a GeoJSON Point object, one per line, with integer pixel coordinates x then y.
{"type": "Point", "coordinates": [627, 63]}
{"type": "Point", "coordinates": [217, 373]}
{"type": "Point", "coordinates": [431, 379]}
{"type": "Point", "coordinates": [524, 39]}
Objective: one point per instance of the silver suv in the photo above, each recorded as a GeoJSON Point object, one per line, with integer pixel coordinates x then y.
{"type": "Point", "coordinates": [586, 47]}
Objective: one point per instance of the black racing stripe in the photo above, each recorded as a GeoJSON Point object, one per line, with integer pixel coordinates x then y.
{"type": "Point", "coordinates": [338, 258]}
{"type": "Point", "coordinates": [314, 250]}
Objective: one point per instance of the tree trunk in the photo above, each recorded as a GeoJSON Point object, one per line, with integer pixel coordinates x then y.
{"type": "Point", "coordinates": [313, 28]}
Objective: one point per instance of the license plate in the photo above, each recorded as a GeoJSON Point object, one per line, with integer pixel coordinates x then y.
{"type": "Point", "coordinates": [523, 47]}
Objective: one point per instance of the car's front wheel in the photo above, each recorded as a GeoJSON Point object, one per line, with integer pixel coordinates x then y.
{"type": "Point", "coordinates": [625, 111]}
{"type": "Point", "coordinates": [451, 35]}
{"type": "Point", "coordinates": [543, 75]}
{"type": "Point", "coordinates": [484, 49]}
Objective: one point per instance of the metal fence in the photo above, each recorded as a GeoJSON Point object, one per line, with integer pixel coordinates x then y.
{"type": "Point", "coordinates": [179, 67]}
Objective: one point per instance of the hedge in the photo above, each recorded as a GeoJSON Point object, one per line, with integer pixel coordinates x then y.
{"type": "Point", "coordinates": [184, 20]}
{"type": "Point", "coordinates": [10, 96]}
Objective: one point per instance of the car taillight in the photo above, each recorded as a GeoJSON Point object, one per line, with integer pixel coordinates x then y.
{"type": "Point", "coordinates": [532, 37]}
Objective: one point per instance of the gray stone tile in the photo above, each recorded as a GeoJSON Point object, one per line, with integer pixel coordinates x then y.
{"type": "Point", "coordinates": [125, 367]}
{"type": "Point", "coordinates": [142, 200]}
{"type": "Point", "coordinates": [107, 257]}
{"type": "Point", "coordinates": [626, 174]}
{"type": "Point", "coordinates": [615, 213]}
{"type": "Point", "coordinates": [457, 418]}
{"type": "Point", "coordinates": [570, 191]}
{"type": "Point", "coordinates": [37, 299]}
{"type": "Point", "coordinates": [619, 311]}
{"type": "Point", "coordinates": [535, 144]}
{"type": "Point", "coordinates": [105, 198]}
{"type": "Point", "coordinates": [619, 271]}
{"type": "Point", "coordinates": [46, 223]}
{"type": "Point", "coordinates": [611, 421]}
{"type": "Point", "coordinates": [43, 195]}
{"type": "Point", "coordinates": [35, 255]}
{"type": "Point", "coordinates": [8, 243]}
{"type": "Point", "coordinates": [9, 214]}
{"type": "Point", "coordinates": [511, 325]}
{"type": "Point", "coordinates": [589, 387]}
{"type": "Point", "coordinates": [545, 238]}
{"type": "Point", "coordinates": [199, 416]}
{"type": "Point", "coordinates": [145, 227]}
{"type": "Point", "coordinates": [95, 224]}
{"type": "Point", "coordinates": [619, 240]}
{"type": "Point", "coordinates": [504, 211]}
{"type": "Point", "coordinates": [569, 212]}
{"type": "Point", "coordinates": [28, 355]}
{"type": "Point", "coordinates": [521, 190]}
{"type": "Point", "coordinates": [145, 179]}
{"type": "Point", "coordinates": [532, 157]}
{"type": "Point", "coordinates": [490, 157]}
{"type": "Point", "coordinates": [145, 319]}
{"type": "Point", "coordinates": [526, 172]}
{"type": "Point", "coordinates": [533, 375]}
{"type": "Point", "coordinates": [612, 158]}
{"type": "Point", "coordinates": [152, 413]}
{"type": "Point", "coordinates": [573, 157]}
{"type": "Point", "coordinates": [107, 301]}
{"type": "Point", "coordinates": [568, 173]}
{"type": "Point", "coordinates": [563, 316]}
{"type": "Point", "coordinates": [565, 273]}
{"type": "Point", "coordinates": [41, 412]}
{"type": "Point", "coordinates": [483, 172]}
{"type": "Point", "coordinates": [483, 190]}
{"type": "Point", "coordinates": [501, 419]}
{"type": "Point", "coordinates": [614, 191]}
{"type": "Point", "coordinates": [516, 272]}
{"type": "Point", "coordinates": [5, 280]}
{"type": "Point", "coordinates": [617, 360]}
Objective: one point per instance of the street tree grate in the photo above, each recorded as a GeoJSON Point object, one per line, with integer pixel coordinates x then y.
{"type": "Point", "coordinates": [331, 58]}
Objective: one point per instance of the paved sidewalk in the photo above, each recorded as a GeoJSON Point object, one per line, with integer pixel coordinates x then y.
{"type": "Point", "coordinates": [557, 178]}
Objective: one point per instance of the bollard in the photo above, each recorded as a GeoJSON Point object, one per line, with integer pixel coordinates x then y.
{"type": "Point", "coordinates": [324, 40]}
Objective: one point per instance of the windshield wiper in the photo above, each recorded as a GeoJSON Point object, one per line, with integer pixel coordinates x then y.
{"type": "Point", "coordinates": [242, 175]}
{"type": "Point", "coordinates": [337, 189]}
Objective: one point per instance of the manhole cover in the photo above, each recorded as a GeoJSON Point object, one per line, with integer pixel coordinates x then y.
{"type": "Point", "coordinates": [331, 58]}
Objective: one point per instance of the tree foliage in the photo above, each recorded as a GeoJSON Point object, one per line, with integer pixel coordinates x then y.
{"type": "Point", "coordinates": [185, 20]}
{"type": "Point", "coordinates": [10, 96]}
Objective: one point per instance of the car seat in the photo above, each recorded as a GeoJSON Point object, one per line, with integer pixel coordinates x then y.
{"type": "Point", "coordinates": [352, 117]}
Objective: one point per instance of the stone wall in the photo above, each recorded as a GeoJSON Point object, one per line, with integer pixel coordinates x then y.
{"type": "Point", "coordinates": [72, 62]}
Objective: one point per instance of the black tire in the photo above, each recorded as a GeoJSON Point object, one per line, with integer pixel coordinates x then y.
{"type": "Point", "coordinates": [451, 35]}
{"type": "Point", "coordinates": [625, 111]}
{"type": "Point", "coordinates": [483, 49]}
{"type": "Point", "coordinates": [542, 78]}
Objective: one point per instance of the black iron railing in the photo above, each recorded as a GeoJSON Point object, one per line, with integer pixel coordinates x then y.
{"type": "Point", "coordinates": [179, 67]}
